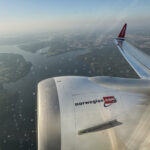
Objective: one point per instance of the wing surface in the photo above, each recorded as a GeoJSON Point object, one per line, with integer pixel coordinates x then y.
{"type": "Point", "coordinates": [84, 113]}
{"type": "Point", "coordinates": [138, 60]}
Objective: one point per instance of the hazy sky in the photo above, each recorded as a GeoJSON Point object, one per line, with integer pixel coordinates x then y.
{"type": "Point", "coordinates": [38, 15]}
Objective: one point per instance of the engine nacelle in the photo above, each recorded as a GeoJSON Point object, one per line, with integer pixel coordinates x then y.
{"type": "Point", "coordinates": [70, 106]}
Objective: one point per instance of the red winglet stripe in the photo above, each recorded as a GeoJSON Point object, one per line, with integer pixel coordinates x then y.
{"type": "Point", "coordinates": [123, 31]}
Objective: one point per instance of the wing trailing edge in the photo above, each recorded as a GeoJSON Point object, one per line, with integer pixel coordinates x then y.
{"type": "Point", "coordinates": [138, 60]}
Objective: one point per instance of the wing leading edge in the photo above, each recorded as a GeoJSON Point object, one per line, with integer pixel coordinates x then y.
{"type": "Point", "coordinates": [138, 60]}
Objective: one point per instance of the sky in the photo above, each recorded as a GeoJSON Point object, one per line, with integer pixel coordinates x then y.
{"type": "Point", "coordinates": [42, 15]}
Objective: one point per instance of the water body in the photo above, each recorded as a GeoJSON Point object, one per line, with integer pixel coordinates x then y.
{"type": "Point", "coordinates": [26, 88]}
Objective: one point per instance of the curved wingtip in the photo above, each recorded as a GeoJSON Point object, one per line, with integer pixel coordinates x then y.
{"type": "Point", "coordinates": [123, 31]}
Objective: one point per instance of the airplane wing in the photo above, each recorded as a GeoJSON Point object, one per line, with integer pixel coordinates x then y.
{"type": "Point", "coordinates": [139, 61]}
{"type": "Point", "coordinates": [84, 113]}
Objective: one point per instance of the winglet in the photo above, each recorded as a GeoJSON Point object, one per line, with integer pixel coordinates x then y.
{"type": "Point", "coordinates": [123, 32]}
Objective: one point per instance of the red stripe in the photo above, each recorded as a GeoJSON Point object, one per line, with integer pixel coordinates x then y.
{"type": "Point", "coordinates": [123, 31]}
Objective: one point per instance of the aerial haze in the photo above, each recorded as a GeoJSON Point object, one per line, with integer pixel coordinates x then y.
{"type": "Point", "coordinates": [38, 16]}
